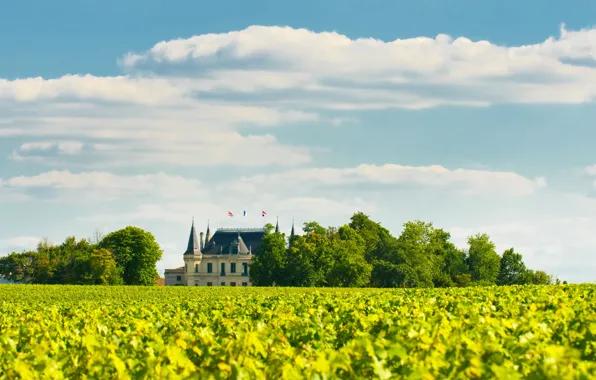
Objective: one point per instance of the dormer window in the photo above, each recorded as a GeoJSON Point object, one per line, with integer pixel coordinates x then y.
{"type": "Point", "coordinates": [234, 249]}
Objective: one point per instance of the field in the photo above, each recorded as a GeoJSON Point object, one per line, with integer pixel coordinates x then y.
{"type": "Point", "coordinates": [178, 332]}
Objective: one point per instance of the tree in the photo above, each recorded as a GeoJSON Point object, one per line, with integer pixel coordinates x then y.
{"type": "Point", "coordinates": [349, 267]}
{"type": "Point", "coordinates": [103, 268]}
{"type": "Point", "coordinates": [136, 252]}
{"type": "Point", "coordinates": [378, 242]}
{"type": "Point", "coordinates": [538, 277]}
{"type": "Point", "coordinates": [17, 267]}
{"type": "Point", "coordinates": [454, 264]}
{"type": "Point", "coordinates": [512, 269]}
{"type": "Point", "coordinates": [268, 265]}
{"type": "Point", "coordinates": [424, 248]}
{"type": "Point", "coordinates": [300, 270]}
{"type": "Point", "coordinates": [483, 260]}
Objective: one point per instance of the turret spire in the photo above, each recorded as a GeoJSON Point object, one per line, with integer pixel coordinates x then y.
{"type": "Point", "coordinates": [277, 225]}
{"type": "Point", "coordinates": [208, 234]}
{"type": "Point", "coordinates": [193, 243]}
{"type": "Point", "coordinates": [292, 233]}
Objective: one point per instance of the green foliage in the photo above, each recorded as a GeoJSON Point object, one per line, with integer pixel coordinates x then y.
{"type": "Point", "coordinates": [268, 265]}
{"type": "Point", "coordinates": [512, 269]}
{"type": "Point", "coordinates": [136, 253]}
{"type": "Point", "coordinates": [359, 254]}
{"type": "Point", "coordinates": [484, 262]}
{"type": "Point", "coordinates": [363, 253]}
{"type": "Point", "coordinates": [79, 332]}
{"type": "Point", "coordinates": [348, 267]}
{"type": "Point", "coordinates": [71, 262]}
{"type": "Point", "coordinates": [84, 263]}
{"type": "Point", "coordinates": [104, 268]}
{"type": "Point", "coordinates": [538, 278]}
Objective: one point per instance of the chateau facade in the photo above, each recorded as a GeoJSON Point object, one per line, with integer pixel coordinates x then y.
{"type": "Point", "coordinates": [220, 260]}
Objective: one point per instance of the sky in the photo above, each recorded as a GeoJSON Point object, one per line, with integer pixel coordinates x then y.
{"type": "Point", "coordinates": [475, 116]}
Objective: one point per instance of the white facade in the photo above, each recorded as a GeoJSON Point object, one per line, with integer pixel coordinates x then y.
{"type": "Point", "coordinates": [206, 270]}
{"type": "Point", "coordinates": [221, 260]}
{"type": "Point", "coordinates": [174, 277]}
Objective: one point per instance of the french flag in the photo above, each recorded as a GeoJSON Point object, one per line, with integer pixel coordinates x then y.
{"type": "Point", "coordinates": [263, 213]}
{"type": "Point", "coordinates": [230, 213]}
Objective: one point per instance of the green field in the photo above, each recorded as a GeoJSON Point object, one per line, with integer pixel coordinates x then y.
{"type": "Point", "coordinates": [196, 332]}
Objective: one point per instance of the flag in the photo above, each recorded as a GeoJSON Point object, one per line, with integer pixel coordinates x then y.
{"type": "Point", "coordinates": [244, 212]}
{"type": "Point", "coordinates": [230, 213]}
{"type": "Point", "coordinates": [263, 213]}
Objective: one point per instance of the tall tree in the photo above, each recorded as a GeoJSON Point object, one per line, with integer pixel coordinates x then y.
{"type": "Point", "coordinates": [349, 267]}
{"type": "Point", "coordinates": [424, 249]}
{"type": "Point", "coordinates": [512, 269]}
{"type": "Point", "coordinates": [300, 268]}
{"type": "Point", "coordinates": [136, 253]}
{"type": "Point", "coordinates": [483, 260]}
{"type": "Point", "coordinates": [268, 265]}
{"type": "Point", "coordinates": [104, 269]}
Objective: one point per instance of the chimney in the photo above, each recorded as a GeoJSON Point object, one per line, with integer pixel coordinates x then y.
{"type": "Point", "coordinates": [201, 243]}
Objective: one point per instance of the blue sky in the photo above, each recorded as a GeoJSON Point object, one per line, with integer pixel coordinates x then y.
{"type": "Point", "coordinates": [476, 116]}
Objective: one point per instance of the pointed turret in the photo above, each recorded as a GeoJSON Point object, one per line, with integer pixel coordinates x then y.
{"type": "Point", "coordinates": [193, 242]}
{"type": "Point", "coordinates": [277, 225]}
{"type": "Point", "coordinates": [292, 234]}
{"type": "Point", "coordinates": [207, 235]}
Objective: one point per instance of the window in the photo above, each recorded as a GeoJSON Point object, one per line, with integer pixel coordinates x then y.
{"type": "Point", "coordinates": [223, 269]}
{"type": "Point", "coordinates": [209, 284]}
{"type": "Point", "coordinates": [245, 284]}
{"type": "Point", "coordinates": [223, 284]}
{"type": "Point", "coordinates": [178, 278]}
{"type": "Point", "coordinates": [245, 269]}
{"type": "Point", "coordinates": [233, 268]}
{"type": "Point", "coordinates": [209, 268]}
{"type": "Point", "coordinates": [234, 250]}
{"type": "Point", "coordinates": [232, 284]}
{"type": "Point", "coordinates": [196, 268]}
{"type": "Point", "coordinates": [186, 267]}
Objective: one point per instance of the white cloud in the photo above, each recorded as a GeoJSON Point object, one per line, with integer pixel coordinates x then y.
{"type": "Point", "coordinates": [64, 147]}
{"type": "Point", "coordinates": [19, 243]}
{"type": "Point", "coordinates": [464, 181]}
{"type": "Point", "coordinates": [185, 101]}
{"type": "Point", "coordinates": [197, 134]}
{"type": "Point", "coordinates": [338, 72]}
{"type": "Point", "coordinates": [172, 212]}
{"type": "Point", "coordinates": [302, 209]}
{"type": "Point", "coordinates": [591, 170]}
{"type": "Point", "coordinates": [98, 184]}
{"type": "Point", "coordinates": [88, 87]}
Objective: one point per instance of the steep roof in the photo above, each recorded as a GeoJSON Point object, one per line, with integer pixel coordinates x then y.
{"type": "Point", "coordinates": [247, 239]}
{"type": "Point", "coordinates": [193, 242]}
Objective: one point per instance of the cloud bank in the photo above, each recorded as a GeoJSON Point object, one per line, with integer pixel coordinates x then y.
{"type": "Point", "coordinates": [189, 101]}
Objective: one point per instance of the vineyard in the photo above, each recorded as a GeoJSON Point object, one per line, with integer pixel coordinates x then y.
{"type": "Point", "coordinates": [100, 332]}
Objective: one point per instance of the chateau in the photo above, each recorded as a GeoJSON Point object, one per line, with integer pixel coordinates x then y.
{"type": "Point", "coordinates": [219, 260]}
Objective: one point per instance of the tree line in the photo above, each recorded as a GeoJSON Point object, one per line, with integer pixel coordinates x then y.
{"type": "Point", "coordinates": [124, 257]}
{"type": "Point", "coordinates": [365, 254]}
{"type": "Point", "coordinates": [361, 253]}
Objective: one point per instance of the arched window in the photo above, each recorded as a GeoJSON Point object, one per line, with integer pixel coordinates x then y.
{"type": "Point", "coordinates": [196, 268]}
{"type": "Point", "coordinates": [186, 267]}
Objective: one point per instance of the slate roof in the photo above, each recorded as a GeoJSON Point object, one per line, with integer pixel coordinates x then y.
{"type": "Point", "coordinates": [176, 270]}
{"type": "Point", "coordinates": [246, 239]}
